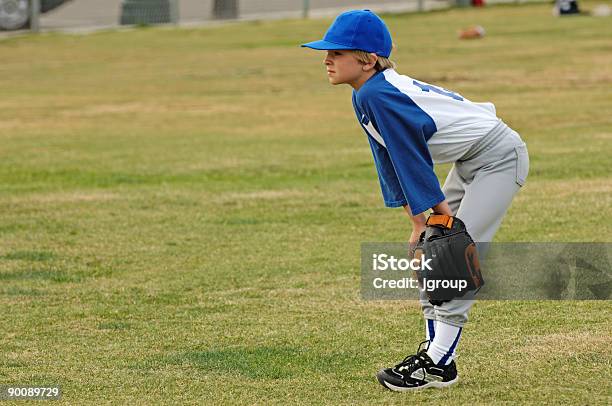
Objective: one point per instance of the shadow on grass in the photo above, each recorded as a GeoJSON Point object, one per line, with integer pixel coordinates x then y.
{"type": "Point", "coordinates": [29, 256]}
{"type": "Point", "coordinates": [48, 274]}
{"type": "Point", "coordinates": [18, 291]}
{"type": "Point", "coordinates": [261, 362]}
{"type": "Point", "coordinates": [42, 266]}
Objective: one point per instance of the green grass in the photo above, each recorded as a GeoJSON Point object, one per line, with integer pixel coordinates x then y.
{"type": "Point", "coordinates": [181, 212]}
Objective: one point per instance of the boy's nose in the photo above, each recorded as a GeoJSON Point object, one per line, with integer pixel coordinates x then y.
{"type": "Point", "coordinates": [327, 60]}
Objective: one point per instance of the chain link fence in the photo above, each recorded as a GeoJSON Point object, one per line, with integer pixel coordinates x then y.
{"type": "Point", "coordinates": [84, 15]}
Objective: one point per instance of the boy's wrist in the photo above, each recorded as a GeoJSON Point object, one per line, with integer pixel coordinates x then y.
{"type": "Point", "coordinates": [419, 221]}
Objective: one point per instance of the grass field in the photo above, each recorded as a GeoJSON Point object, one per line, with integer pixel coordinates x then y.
{"type": "Point", "coordinates": [181, 212]}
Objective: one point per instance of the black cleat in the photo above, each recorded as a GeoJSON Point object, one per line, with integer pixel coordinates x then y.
{"type": "Point", "coordinates": [417, 372]}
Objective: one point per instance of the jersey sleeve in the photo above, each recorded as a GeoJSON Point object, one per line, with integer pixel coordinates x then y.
{"type": "Point", "coordinates": [405, 129]}
{"type": "Point", "coordinates": [392, 192]}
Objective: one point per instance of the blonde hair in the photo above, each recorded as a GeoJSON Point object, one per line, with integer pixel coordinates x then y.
{"type": "Point", "coordinates": [382, 63]}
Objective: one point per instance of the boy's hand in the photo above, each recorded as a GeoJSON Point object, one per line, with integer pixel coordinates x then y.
{"type": "Point", "coordinates": [413, 242]}
{"type": "Point", "coordinates": [416, 234]}
{"type": "Point", "coordinates": [418, 227]}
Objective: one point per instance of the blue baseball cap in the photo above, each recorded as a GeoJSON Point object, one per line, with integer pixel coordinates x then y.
{"type": "Point", "coordinates": [356, 30]}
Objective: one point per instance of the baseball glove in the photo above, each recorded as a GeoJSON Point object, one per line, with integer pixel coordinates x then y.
{"type": "Point", "coordinates": [449, 267]}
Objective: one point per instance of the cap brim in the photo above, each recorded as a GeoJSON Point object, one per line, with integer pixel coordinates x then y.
{"type": "Point", "coordinates": [323, 45]}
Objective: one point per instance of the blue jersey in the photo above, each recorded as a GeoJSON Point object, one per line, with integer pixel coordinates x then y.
{"type": "Point", "coordinates": [410, 125]}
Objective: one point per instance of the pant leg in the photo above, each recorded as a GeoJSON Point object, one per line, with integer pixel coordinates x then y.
{"type": "Point", "coordinates": [485, 202]}
{"type": "Point", "coordinates": [453, 189]}
{"type": "Point", "coordinates": [488, 198]}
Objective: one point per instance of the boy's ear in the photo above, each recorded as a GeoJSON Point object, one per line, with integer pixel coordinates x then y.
{"type": "Point", "coordinates": [372, 63]}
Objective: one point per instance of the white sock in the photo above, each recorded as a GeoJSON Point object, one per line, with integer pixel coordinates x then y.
{"type": "Point", "coordinates": [442, 348]}
{"type": "Point", "coordinates": [430, 329]}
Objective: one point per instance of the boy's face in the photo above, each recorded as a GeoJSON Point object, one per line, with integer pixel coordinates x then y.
{"type": "Point", "coordinates": [343, 67]}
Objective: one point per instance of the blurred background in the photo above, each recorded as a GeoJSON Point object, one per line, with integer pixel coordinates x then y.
{"type": "Point", "coordinates": [96, 14]}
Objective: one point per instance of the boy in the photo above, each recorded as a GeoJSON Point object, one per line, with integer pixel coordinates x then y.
{"type": "Point", "coordinates": [411, 125]}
